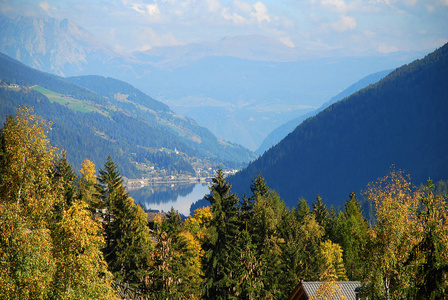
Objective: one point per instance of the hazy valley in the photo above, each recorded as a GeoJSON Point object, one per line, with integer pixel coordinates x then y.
{"type": "Point", "coordinates": [223, 150]}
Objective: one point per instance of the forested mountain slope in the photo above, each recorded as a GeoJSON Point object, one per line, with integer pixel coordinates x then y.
{"type": "Point", "coordinates": [281, 132]}
{"type": "Point", "coordinates": [240, 87]}
{"type": "Point", "coordinates": [95, 116]}
{"type": "Point", "coordinates": [401, 121]}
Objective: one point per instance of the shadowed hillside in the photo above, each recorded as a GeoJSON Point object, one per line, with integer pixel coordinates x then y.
{"type": "Point", "coordinates": [401, 120]}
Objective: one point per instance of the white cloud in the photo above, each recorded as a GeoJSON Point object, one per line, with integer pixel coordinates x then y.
{"type": "Point", "coordinates": [152, 9]}
{"type": "Point", "coordinates": [338, 5]}
{"type": "Point", "coordinates": [344, 23]}
{"type": "Point", "coordinates": [369, 34]}
{"type": "Point", "coordinates": [146, 9]}
{"type": "Point", "coordinates": [213, 5]}
{"type": "Point", "coordinates": [360, 24]}
{"type": "Point", "coordinates": [287, 41]}
{"type": "Point", "coordinates": [410, 2]}
{"type": "Point", "coordinates": [233, 17]}
{"type": "Point", "coordinates": [383, 48]}
{"type": "Point", "coordinates": [260, 12]}
{"type": "Point", "coordinates": [243, 7]}
{"type": "Point", "coordinates": [45, 6]}
{"type": "Point", "coordinates": [148, 38]}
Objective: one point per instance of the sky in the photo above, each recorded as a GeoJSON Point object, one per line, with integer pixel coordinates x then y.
{"type": "Point", "coordinates": [353, 27]}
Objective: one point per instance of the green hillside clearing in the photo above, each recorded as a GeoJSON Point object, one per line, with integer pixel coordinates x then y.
{"type": "Point", "coordinates": [69, 101]}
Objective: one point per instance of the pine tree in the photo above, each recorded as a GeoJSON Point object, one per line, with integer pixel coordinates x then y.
{"type": "Point", "coordinates": [302, 210]}
{"type": "Point", "coordinates": [65, 176]}
{"type": "Point", "coordinates": [259, 187]}
{"type": "Point", "coordinates": [128, 246]}
{"type": "Point", "coordinates": [311, 235]}
{"type": "Point", "coordinates": [64, 181]}
{"type": "Point", "coordinates": [351, 231]}
{"type": "Point", "coordinates": [220, 263]}
{"type": "Point", "coordinates": [177, 270]}
{"type": "Point", "coordinates": [109, 181]}
{"type": "Point", "coordinates": [291, 249]}
{"type": "Point", "coordinates": [250, 283]}
{"type": "Point", "coordinates": [320, 212]}
{"type": "Point", "coordinates": [267, 214]}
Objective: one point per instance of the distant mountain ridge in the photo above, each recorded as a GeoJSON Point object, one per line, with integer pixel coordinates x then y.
{"type": "Point", "coordinates": [52, 45]}
{"type": "Point", "coordinates": [95, 116]}
{"type": "Point", "coordinates": [281, 132]}
{"type": "Point", "coordinates": [240, 88]}
{"type": "Point", "coordinates": [261, 48]}
{"type": "Point", "coordinates": [401, 120]}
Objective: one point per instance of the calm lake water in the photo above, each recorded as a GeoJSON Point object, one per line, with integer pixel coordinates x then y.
{"type": "Point", "coordinates": [162, 197]}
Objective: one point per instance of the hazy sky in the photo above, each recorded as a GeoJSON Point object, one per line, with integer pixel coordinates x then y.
{"type": "Point", "coordinates": [352, 26]}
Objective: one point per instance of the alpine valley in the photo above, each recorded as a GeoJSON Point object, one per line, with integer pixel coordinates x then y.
{"type": "Point", "coordinates": [399, 122]}
{"type": "Point", "coordinates": [94, 117]}
{"type": "Point", "coordinates": [239, 87]}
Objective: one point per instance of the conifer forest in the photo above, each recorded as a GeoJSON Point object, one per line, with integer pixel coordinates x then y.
{"type": "Point", "coordinates": [64, 236]}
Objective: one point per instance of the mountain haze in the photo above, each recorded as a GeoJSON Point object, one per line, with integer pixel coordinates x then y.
{"type": "Point", "coordinates": [52, 45]}
{"type": "Point", "coordinates": [401, 120]}
{"type": "Point", "coordinates": [281, 132]}
{"type": "Point", "coordinates": [240, 87]}
{"type": "Point", "coordinates": [96, 116]}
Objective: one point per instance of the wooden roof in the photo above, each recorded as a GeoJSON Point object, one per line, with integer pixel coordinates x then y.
{"type": "Point", "coordinates": [150, 216]}
{"type": "Point", "coordinates": [306, 289]}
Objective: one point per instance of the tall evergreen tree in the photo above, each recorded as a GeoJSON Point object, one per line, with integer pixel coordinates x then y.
{"type": "Point", "coordinates": [311, 235]}
{"type": "Point", "coordinates": [220, 251]}
{"type": "Point", "coordinates": [264, 229]}
{"type": "Point", "coordinates": [291, 249]}
{"type": "Point", "coordinates": [176, 271]}
{"type": "Point", "coordinates": [302, 210]}
{"type": "Point", "coordinates": [109, 181]}
{"type": "Point", "coordinates": [64, 181]}
{"type": "Point", "coordinates": [128, 241]}
{"type": "Point", "coordinates": [66, 176]}
{"type": "Point", "coordinates": [165, 280]}
{"type": "Point", "coordinates": [320, 212]}
{"type": "Point", "coordinates": [351, 231]}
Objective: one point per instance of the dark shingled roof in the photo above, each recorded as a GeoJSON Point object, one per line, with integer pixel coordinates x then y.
{"type": "Point", "coordinates": [347, 288]}
{"type": "Point", "coordinates": [306, 289]}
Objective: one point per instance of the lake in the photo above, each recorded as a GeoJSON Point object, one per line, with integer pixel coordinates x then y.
{"type": "Point", "coordinates": [163, 196]}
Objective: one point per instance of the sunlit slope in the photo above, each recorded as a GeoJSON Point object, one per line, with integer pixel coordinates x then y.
{"type": "Point", "coordinates": [108, 116]}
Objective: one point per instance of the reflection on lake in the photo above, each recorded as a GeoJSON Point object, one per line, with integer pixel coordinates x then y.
{"type": "Point", "coordinates": [164, 196]}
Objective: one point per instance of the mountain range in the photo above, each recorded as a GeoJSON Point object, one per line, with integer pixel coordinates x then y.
{"type": "Point", "coordinates": [400, 122]}
{"type": "Point", "coordinates": [281, 132]}
{"type": "Point", "coordinates": [95, 116]}
{"type": "Point", "coordinates": [240, 87]}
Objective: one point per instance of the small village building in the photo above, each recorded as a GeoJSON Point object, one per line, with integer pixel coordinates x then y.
{"type": "Point", "coordinates": [150, 217]}
{"type": "Point", "coordinates": [306, 289]}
